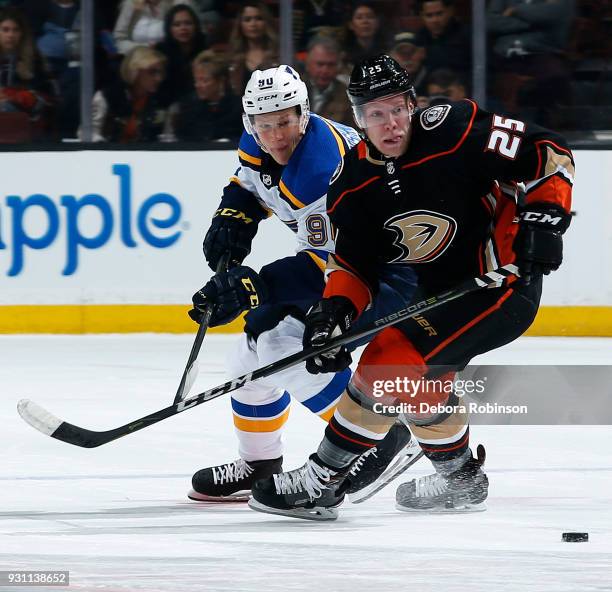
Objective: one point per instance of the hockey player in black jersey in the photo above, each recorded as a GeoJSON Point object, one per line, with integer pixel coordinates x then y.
{"type": "Point", "coordinates": [454, 191]}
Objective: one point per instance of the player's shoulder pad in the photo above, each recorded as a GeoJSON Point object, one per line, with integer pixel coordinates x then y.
{"type": "Point", "coordinates": [451, 118]}
{"type": "Point", "coordinates": [306, 177]}
{"type": "Point", "coordinates": [249, 152]}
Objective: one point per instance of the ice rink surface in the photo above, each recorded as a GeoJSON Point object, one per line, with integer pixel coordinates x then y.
{"type": "Point", "coordinates": [118, 519]}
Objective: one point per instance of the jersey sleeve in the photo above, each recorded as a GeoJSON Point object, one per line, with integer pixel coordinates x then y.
{"type": "Point", "coordinates": [240, 194]}
{"type": "Point", "coordinates": [352, 268]}
{"type": "Point", "coordinates": [514, 151]}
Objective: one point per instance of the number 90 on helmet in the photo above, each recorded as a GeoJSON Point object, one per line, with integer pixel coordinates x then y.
{"type": "Point", "coordinates": [272, 90]}
{"type": "Point", "coordinates": [377, 78]}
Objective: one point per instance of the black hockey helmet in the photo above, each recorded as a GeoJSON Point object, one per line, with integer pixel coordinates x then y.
{"type": "Point", "coordinates": [375, 78]}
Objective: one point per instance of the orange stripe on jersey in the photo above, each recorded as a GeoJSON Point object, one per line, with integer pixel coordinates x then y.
{"type": "Point", "coordinates": [362, 150]}
{"type": "Point", "coordinates": [284, 190]}
{"type": "Point", "coordinates": [455, 148]}
{"type": "Point", "coordinates": [344, 193]}
{"type": "Point", "coordinates": [336, 137]}
{"type": "Point", "coordinates": [344, 264]}
{"type": "Point", "coordinates": [344, 283]}
{"type": "Point", "coordinates": [554, 190]}
{"type": "Point", "coordinates": [560, 148]}
{"type": "Point", "coordinates": [463, 329]}
{"type": "Point", "coordinates": [252, 159]}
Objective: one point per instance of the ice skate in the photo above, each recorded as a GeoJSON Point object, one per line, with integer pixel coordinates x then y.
{"type": "Point", "coordinates": [465, 490]}
{"type": "Point", "coordinates": [312, 492]}
{"type": "Point", "coordinates": [231, 482]}
{"type": "Point", "coordinates": [377, 467]}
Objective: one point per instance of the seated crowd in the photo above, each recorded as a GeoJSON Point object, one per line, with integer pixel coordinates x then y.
{"type": "Point", "coordinates": [174, 70]}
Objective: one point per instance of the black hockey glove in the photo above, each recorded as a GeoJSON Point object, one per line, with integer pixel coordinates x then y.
{"type": "Point", "coordinates": [230, 230]}
{"type": "Point", "coordinates": [328, 318]}
{"type": "Point", "coordinates": [539, 244]}
{"type": "Point", "coordinates": [231, 292]}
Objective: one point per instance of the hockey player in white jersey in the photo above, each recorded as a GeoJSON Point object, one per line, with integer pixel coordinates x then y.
{"type": "Point", "coordinates": [287, 157]}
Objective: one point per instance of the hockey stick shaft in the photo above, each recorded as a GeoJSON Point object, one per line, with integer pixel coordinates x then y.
{"type": "Point", "coordinates": [189, 374]}
{"type": "Point", "coordinates": [50, 425]}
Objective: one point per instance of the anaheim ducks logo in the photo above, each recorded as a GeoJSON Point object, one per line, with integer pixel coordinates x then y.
{"type": "Point", "coordinates": [421, 235]}
{"type": "Point", "coordinates": [434, 116]}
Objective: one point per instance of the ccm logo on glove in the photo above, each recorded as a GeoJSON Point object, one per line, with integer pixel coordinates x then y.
{"type": "Point", "coordinates": [251, 292]}
{"type": "Point", "coordinates": [237, 214]}
{"type": "Point", "coordinates": [229, 294]}
{"type": "Point", "coordinates": [541, 218]}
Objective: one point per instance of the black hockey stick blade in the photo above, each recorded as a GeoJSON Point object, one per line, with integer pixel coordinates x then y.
{"type": "Point", "coordinates": [49, 424]}
{"type": "Point", "coordinates": [191, 369]}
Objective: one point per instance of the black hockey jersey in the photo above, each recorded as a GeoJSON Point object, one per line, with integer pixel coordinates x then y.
{"type": "Point", "coordinates": [448, 206]}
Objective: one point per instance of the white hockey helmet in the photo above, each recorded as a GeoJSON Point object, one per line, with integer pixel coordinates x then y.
{"type": "Point", "coordinates": [272, 90]}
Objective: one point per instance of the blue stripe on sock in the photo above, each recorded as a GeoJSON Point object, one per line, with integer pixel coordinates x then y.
{"type": "Point", "coordinates": [262, 411]}
{"type": "Point", "coordinates": [330, 393]}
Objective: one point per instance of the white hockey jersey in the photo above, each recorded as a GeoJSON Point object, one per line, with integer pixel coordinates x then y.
{"type": "Point", "coordinates": [296, 192]}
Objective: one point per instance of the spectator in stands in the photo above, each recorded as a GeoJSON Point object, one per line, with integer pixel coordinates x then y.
{"type": "Point", "coordinates": [25, 85]}
{"type": "Point", "coordinates": [447, 43]}
{"type": "Point", "coordinates": [129, 110]}
{"type": "Point", "coordinates": [530, 40]}
{"type": "Point", "coordinates": [410, 57]}
{"type": "Point", "coordinates": [364, 34]}
{"type": "Point", "coordinates": [183, 41]}
{"type": "Point", "coordinates": [141, 22]}
{"type": "Point", "coordinates": [209, 15]}
{"type": "Point", "coordinates": [212, 111]}
{"type": "Point", "coordinates": [56, 27]}
{"type": "Point", "coordinates": [529, 27]}
{"type": "Point", "coordinates": [253, 44]}
{"type": "Point", "coordinates": [445, 85]}
{"type": "Point", "coordinates": [315, 17]}
{"type": "Point", "coordinates": [327, 94]}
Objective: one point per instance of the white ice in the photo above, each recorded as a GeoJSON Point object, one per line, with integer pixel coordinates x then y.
{"type": "Point", "coordinates": [118, 518]}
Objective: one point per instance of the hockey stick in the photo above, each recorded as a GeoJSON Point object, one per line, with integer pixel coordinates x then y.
{"type": "Point", "coordinates": [50, 425]}
{"type": "Point", "coordinates": [191, 369]}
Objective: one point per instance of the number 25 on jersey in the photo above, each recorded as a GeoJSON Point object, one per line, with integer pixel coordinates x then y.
{"type": "Point", "coordinates": [502, 141]}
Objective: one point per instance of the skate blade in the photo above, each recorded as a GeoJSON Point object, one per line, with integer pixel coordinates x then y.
{"type": "Point", "coordinates": [462, 509]}
{"type": "Point", "coordinates": [239, 496]}
{"type": "Point", "coordinates": [392, 472]}
{"type": "Point", "coordinates": [317, 513]}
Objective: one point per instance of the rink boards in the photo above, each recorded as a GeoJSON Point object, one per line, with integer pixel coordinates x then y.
{"type": "Point", "coordinates": [110, 242]}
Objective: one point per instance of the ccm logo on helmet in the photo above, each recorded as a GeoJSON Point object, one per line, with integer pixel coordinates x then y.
{"type": "Point", "coordinates": [541, 217]}
{"type": "Point", "coordinates": [267, 97]}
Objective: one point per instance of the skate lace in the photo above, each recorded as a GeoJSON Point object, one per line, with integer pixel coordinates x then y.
{"type": "Point", "coordinates": [231, 472]}
{"type": "Point", "coordinates": [359, 462]}
{"type": "Point", "coordinates": [430, 485]}
{"type": "Point", "coordinates": [310, 478]}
